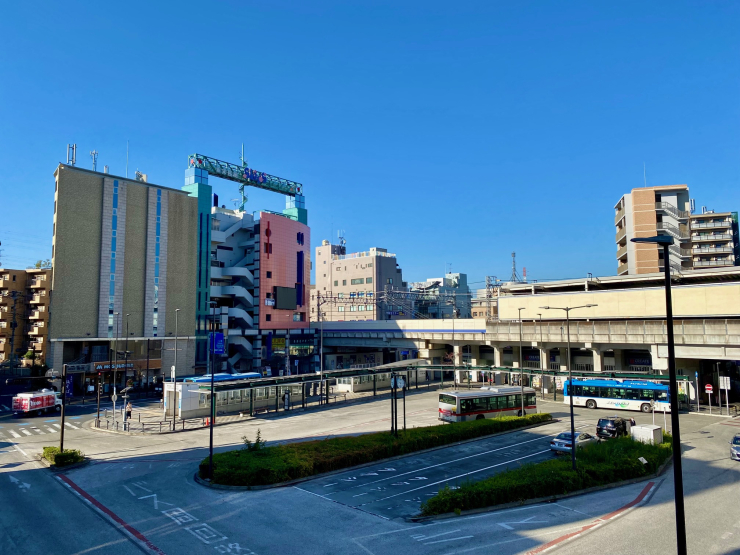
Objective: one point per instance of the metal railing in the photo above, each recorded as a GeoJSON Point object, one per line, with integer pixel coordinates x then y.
{"type": "Point", "coordinates": [709, 250]}
{"type": "Point", "coordinates": [619, 215]}
{"type": "Point", "coordinates": [681, 214]}
{"type": "Point", "coordinates": [621, 251]}
{"type": "Point", "coordinates": [711, 237]}
{"type": "Point", "coordinates": [705, 225]}
{"type": "Point", "coordinates": [620, 234]}
{"type": "Point", "coordinates": [681, 232]}
{"type": "Point", "coordinates": [705, 263]}
{"type": "Point", "coordinates": [622, 268]}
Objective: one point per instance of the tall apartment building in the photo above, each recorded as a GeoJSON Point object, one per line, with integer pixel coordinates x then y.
{"type": "Point", "coordinates": [25, 293]}
{"type": "Point", "coordinates": [351, 287]}
{"type": "Point", "coordinates": [701, 240]}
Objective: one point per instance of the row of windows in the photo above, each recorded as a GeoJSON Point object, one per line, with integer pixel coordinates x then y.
{"type": "Point", "coordinates": [496, 403]}
{"type": "Point", "coordinates": [356, 281]}
{"type": "Point", "coordinates": [597, 392]}
{"type": "Point", "coordinates": [241, 396]}
{"type": "Point", "coordinates": [356, 308]}
{"type": "Point", "coordinates": [357, 294]}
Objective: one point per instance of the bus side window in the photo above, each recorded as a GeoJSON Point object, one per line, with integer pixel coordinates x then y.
{"type": "Point", "coordinates": [578, 390]}
{"type": "Point", "coordinates": [632, 394]}
{"type": "Point", "coordinates": [531, 399]}
{"type": "Point", "coordinates": [647, 394]}
{"type": "Point", "coordinates": [661, 395]}
{"type": "Point", "coordinates": [464, 405]}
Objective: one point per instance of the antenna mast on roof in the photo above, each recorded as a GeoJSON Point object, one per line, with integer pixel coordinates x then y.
{"type": "Point", "coordinates": [342, 241]}
{"type": "Point", "coordinates": [72, 154]}
{"type": "Point", "coordinates": [514, 276]}
{"type": "Point", "coordinates": [94, 156]}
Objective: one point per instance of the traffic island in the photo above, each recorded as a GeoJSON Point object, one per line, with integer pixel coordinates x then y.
{"type": "Point", "coordinates": [604, 464]}
{"type": "Point", "coordinates": [257, 465]}
{"type": "Point", "coordinates": [57, 460]}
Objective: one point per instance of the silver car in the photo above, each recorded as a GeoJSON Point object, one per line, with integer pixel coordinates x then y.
{"type": "Point", "coordinates": [735, 448]}
{"type": "Point", "coordinates": [563, 444]}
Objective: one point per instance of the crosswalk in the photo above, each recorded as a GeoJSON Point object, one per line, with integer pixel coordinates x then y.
{"type": "Point", "coordinates": [18, 432]}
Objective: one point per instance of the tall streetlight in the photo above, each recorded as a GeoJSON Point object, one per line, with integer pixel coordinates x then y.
{"type": "Point", "coordinates": [125, 356]}
{"type": "Point", "coordinates": [665, 241]}
{"type": "Point", "coordinates": [567, 310]}
{"type": "Point", "coordinates": [115, 366]}
{"type": "Point", "coordinates": [211, 361]}
{"type": "Point", "coordinates": [542, 362]}
{"type": "Point", "coordinates": [521, 358]}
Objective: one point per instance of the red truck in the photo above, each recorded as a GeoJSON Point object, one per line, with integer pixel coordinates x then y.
{"type": "Point", "coordinates": [36, 401]}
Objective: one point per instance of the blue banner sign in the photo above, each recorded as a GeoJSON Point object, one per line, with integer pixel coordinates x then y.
{"type": "Point", "coordinates": [217, 343]}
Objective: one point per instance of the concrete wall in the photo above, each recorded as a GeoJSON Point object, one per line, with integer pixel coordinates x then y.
{"type": "Point", "coordinates": [182, 255]}
{"type": "Point", "coordinates": [134, 274]}
{"type": "Point", "coordinates": [716, 300]}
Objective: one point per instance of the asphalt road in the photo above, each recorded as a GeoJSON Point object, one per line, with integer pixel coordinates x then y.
{"type": "Point", "coordinates": [146, 482]}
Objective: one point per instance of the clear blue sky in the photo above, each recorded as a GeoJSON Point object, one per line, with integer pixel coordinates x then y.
{"type": "Point", "coordinates": [443, 131]}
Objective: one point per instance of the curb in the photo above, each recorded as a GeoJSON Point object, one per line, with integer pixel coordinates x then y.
{"type": "Point", "coordinates": [206, 483]}
{"type": "Point", "coordinates": [550, 499]}
{"type": "Point", "coordinates": [56, 469]}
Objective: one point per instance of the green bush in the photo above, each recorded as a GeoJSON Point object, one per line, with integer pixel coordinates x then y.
{"type": "Point", "coordinates": [57, 458]}
{"type": "Point", "coordinates": [599, 464]}
{"type": "Point", "coordinates": [280, 463]}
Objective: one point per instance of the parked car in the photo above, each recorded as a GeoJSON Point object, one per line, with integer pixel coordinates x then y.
{"type": "Point", "coordinates": [735, 448]}
{"type": "Point", "coordinates": [562, 442]}
{"type": "Point", "coordinates": [612, 426]}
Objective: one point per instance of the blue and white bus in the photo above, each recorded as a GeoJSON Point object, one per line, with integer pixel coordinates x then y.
{"type": "Point", "coordinates": [618, 394]}
{"type": "Point", "coordinates": [224, 377]}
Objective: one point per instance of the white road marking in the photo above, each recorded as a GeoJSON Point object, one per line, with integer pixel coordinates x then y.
{"type": "Point", "coordinates": [450, 540]}
{"type": "Point", "coordinates": [50, 430]}
{"type": "Point", "coordinates": [138, 485]}
{"type": "Point", "coordinates": [4, 407]}
{"type": "Point", "coordinates": [25, 431]}
{"type": "Point", "coordinates": [504, 525]}
{"type": "Point", "coordinates": [57, 426]}
{"type": "Point", "coordinates": [38, 431]}
{"type": "Point", "coordinates": [71, 426]}
{"type": "Point", "coordinates": [425, 538]}
{"type": "Point", "coordinates": [463, 475]}
{"type": "Point", "coordinates": [332, 484]}
{"type": "Point", "coordinates": [726, 535]}
{"type": "Point", "coordinates": [129, 490]}
{"type": "Point", "coordinates": [360, 494]}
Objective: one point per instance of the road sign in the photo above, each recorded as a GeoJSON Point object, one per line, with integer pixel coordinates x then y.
{"type": "Point", "coordinates": [709, 388]}
{"type": "Point", "coordinates": [114, 397]}
{"type": "Point", "coordinates": [172, 372]}
{"type": "Point", "coordinates": [217, 343]}
{"type": "Point", "coordinates": [724, 382]}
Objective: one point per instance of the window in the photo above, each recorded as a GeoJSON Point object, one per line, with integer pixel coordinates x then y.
{"type": "Point", "coordinates": [369, 293]}
{"type": "Point", "coordinates": [340, 309]}
{"type": "Point", "coordinates": [269, 275]}
{"type": "Point", "coordinates": [340, 295]}
{"type": "Point", "coordinates": [353, 308]}
{"type": "Point", "coordinates": [370, 265]}
{"type": "Point", "coordinates": [268, 295]}
{"type": "Point", "coordinates": [268, 248]}
{"type": "Point", "coordinates": [361, 294]}
{"type": "Point", "coordinates": [268, 317]}
{"type": "Point", "coordinates": [361, 308]}
{"type": "Point", "coordinates": [358, 281]}
{"type": "Point", "coordinates": [368, 280]}
{"type": "Point", "coordinates": [336, 282]}
{"type": "Point", "coordinates": [299, 316]}
{"type": "Point", "coordinates": [389, 281]}
{"type": "Point", "coordinates": [344, 282]}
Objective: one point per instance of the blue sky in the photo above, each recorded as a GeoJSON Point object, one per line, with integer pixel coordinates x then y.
{"type": "Point", "coordinates": [444, 132]}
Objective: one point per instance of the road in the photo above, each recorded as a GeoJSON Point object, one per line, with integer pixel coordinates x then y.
{"type": "Point", "coordinates": [146, 482]}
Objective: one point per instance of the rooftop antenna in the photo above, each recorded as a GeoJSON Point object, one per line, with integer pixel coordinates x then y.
{"type": "Point", "coordinates": [94, 156]}
{"type": "Point", "coordinates": [342, 241]}
{"type": "Point", "coordinates": [72, 154]}
{"type": "Point", "coordinates": [236, 203]}
{"type": "Point", "coordinates": [514, 276]}
{"type": "Point", "coordinates": [448, 267]}
{"type": "Point", "coordinates": [126, 157]}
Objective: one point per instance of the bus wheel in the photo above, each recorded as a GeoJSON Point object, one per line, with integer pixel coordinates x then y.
{"type": "Point", "coordinates": [645, 407]}
{"type": "Point", "coordinates": [480, 417]}
{"type": "Point", "coordinates": [591, 404]}
{"type": "Point", "coordinates": [519, 412]}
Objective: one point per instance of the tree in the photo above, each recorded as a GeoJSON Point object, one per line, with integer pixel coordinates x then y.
{"type": "Point", "coordinates": [43, 264]}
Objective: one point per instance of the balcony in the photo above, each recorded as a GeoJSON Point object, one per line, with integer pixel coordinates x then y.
{"type": "Point", "coordinates": [622, 269]}
{"type": "Point", "coordinates": [621, 234]}
{"type": "Point", "coordinates": [711, 237]}
{"type": "Point", "coordinates": [711, 225]}
{"type": "Point", "coordinates": [713, 263]}
{"type": "Point", "coordinates": [711, 250]}
{"type": "Point", "coordinates": [39, 281]}
{"type": "Point", "coordinates": [666, 207]}
{"type": "Point", "coordinates": [37, 314]}
{"type": "Point", "coordinates": [38, 299]}
{"type": "Point", "coordinates": [621, 251]}
{"type": "Point", "coordinates": [619, 215]}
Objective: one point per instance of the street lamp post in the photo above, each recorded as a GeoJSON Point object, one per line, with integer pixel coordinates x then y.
{"type": "Point", "coordinates": [567, 310]}
{"type": "Point", "coordinates": [115, 366]}
{"type": "Point", "coordinates": [665, 241]}
{"type": "Point", "coordinates": [521, 360]}
{"type": "Point", "coordinates": [174, 374]}
{"type": "Point", "coordinates": [211, 360]}
{"type": "Point", "coordinates": [125, 369]}
{"type": "Point", "coordinates": [542, 362]}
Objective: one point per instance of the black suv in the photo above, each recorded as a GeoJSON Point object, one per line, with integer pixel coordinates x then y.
{"type": "Point", "coordinates": [610, 427]}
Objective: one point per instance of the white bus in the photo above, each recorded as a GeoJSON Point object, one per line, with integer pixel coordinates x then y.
{"type": "Point", "coordinates": [486, 402]}
{"type": "Point", "coordinates": [618, 394]}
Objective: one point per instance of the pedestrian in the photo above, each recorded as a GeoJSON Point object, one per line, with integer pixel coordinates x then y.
{"type": "Point", "coordinates": [128, 411]}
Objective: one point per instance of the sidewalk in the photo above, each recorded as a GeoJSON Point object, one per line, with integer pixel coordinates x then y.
{"type": "Point", "coordinates": [152, 421]}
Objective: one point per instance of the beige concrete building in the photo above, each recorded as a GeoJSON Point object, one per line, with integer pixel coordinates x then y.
{"type": "Point", "coordinates": [124, 257]}
{"type": "Point", "coordinates": [700, 240]}
{"type": "Point", "coordinates": [38, 295]}
{"type": "Point", "coordinates": [12, 309]}
{"type": "Point", "coordinates": [350, 287]}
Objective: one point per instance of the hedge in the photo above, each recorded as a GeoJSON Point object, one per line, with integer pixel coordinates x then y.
{"type": "Point", "coordinates": [602, 463]}
{"type": "Point", "coordinates": [280, 463]}
{"type": "Point", "coordinates": [57, 458]}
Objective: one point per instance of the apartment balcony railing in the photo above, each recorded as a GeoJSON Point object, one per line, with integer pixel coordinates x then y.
{"type": "Point", "coordinates": [620, 234]}
{"type": "Point", "coordinates": [622, 268]}
{"type": "Point", "coordinates": [713, 263]}
{"type": "Point", "coordinates": [686, 252]}
{"type": "Point", "coordinates": [39, 281]}
{"type": "Point", "coordinates": [36, 299]}
{"type": "Point", "coordinates": [680, 214]}
{"type": "Point", "coordinates": [619, 215]}
{"type": "Point", "coordinates": [711, 237]}
{"type": "Point", "coordinates": [709, 225]}
{"type": "Point", "coordinates": [621, 251]}
{"type": "Point", "coordinates": [711, 250]}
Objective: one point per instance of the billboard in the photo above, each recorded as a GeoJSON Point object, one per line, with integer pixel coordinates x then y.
{"type": "Point", "coordinates": [285, 298]}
